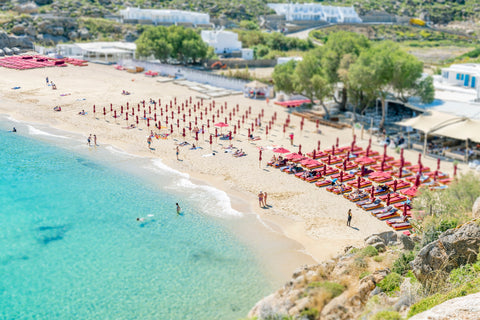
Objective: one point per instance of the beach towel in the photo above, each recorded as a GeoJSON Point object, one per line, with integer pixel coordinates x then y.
{"type": "Point", "coordinates": [15, 88]}
{"type": "Point", "coordinates": [64, 94]}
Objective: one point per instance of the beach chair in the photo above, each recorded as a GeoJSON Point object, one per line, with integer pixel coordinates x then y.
{"type": "Point", "coordinates": [348, 166]}
{"type": "Point", "coordinates": [339, 190]}
{"type": "Point", "coordinates": [398, 163]}
{"type": "Point", "coordinates": [356, 198]}
{"type": "Point", "coordinates": [378, 167]}
{"type": "Point", "coordinates": [372, 206]}
{"type": "Point", "coordinates": [400, 184]}
{"type": "Point", "coordinates": [387, 215]}
{"type": "Point", "coordinates": [333, 160]}
{"type": "Point", "coordinates": [323, 183]}
{"type": "Point", "coordinates": [382, 210]}
{"type": "Point", "coordinates": [416, 168]}
{"type": "Point", "coordinates": [318, 155]}
{"type": "Point", "coordinates": [364, 183]}
{"type": "Point", "coordinates": [401, 226]}
{"type": "Point", "coordinates": [383, 179]}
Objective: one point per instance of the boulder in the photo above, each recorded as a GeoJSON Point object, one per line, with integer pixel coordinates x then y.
{"type": "Point", "coordinates": [18, 29]}
{"type": "Point", "coordinates": [387, 237]}
{"type": "Point", "coordinates": [373, 239]}
{"type": "Point", "coordinates": [476, 208]}
{"type": "Point", "coordinates": [454, 248]}
{"type": "Point", "coordinates": [406, 243]}
{"type": "Point", "coordinates": [380, 246]}
{"type": "Point", "coordinates": [466, 308]}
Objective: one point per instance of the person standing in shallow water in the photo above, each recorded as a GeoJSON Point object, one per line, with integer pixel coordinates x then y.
{"type": "Point", "coordinates": [178, 209]}
{"type": "Point", "coordinates": [349, 217]}
{"type": "Point", "coordinates": [260, 199]}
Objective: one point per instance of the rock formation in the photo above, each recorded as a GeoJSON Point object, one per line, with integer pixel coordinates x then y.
{"type": "Point", "coordinates": [454, 248]}
{"type": "Point", "coordinates": [465, 308]}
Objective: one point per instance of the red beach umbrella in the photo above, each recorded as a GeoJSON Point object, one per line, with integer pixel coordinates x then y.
{"type": "Point", "coordinates": [324, 169]}
{"type": "Point", "coordinates": [196, 135]}
{"type": "Point", "coordinates": [115, 114]}
{"type": "Point", "coordinates": [359, 179]}
{"type": "Point", "coordinates": [388, 199]}
{"type": "Point", "coordinates": [93, 108]}
{"type": "Point", "coordinates": [318, 143]}
{"type": "Point", "coordinates": [137, 120]}
{"type": "Point", "coordinates": [280, 150]}
{"type": "Point", "coordinates": [395, 186]}
{"type": "Point", "coordinates": [299, 147]}
{"type": "Point", "coordinates": [314, 153]}
{"type": "Point", "coordinates": [337, 143]}
{"type": "Point", "coordinates": [372, 192]}
{"type": "Point", "coordinates": [341, 176]}
{"type": "Point", "coordinates": [183, 134]}
{"type": "Point", "coordinates": [148, 122]}
{"type": "Point", "coordinates": [455, 170]}
{"type": "Point", "coordinates": [417, 180]}
{"type": "Point", "coordinates": [126, 116]}
{"type": "Point", "coordinates": [104, 111]}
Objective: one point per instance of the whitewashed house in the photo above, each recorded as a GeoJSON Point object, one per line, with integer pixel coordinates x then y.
{"type": "Point", "coordinates": [221, 41]}
{"type": "Point", "coordinates": [164, 16]}
{"type": "Point", "coordinates": [315, 12]}
{"type": "Point", "coordinates": [466, 75]}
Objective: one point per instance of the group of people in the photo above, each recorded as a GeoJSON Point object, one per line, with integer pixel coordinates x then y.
{"type": "Point", "coordinates": [50, 83]}
{"type": "Point", "coordinates": [90, 138]}
{"type": "Point", "coordinates": [262, 199]}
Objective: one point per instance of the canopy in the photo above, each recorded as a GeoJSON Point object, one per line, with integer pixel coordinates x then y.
{"type": "Point", "coordinates": [256, 85]}
{"type": "Point", "coordinates": [463, 130]}
{"type": "Point", "coordinates": [431, 121]}
{"type": "Point", "coordinates": [280, 150]}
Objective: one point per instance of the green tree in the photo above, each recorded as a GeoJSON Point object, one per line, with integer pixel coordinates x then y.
{"type": "Point", "coordinates": [339, 45]}
{"type": "Point", "coordinates": [282, 77]}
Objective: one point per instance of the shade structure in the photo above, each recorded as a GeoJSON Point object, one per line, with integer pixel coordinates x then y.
{"type": "Point", "coordinates": [294, 156]}
{"type": "Point", "coordinates": [431, 121]}
{"type": "Point", "coordinates": [461, 130]}
{"type": "Point", "coordinates": [280, 150]}
{"type": "Point", "coordinates": [221, 125]}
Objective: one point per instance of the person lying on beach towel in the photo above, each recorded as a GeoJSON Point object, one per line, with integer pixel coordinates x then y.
{"type": "Point", "coordinates": [125, 93]}
{"type": "Point", "coordinates": [195, 147]}
{"type": "Point", "coordinates": [82, 113]}
{"type": "Point", "coordinates": [254, 138]}
{"type": "Point", "coordinates": [64, 94]}
{"type": "Point", "coordinates": [130, 126]}
{"type": "Point", "coordinates": [16, 88]}
{"type": "Point", "coordinates": [184, 143]}
{"type": "Point", "coordinates": [57, 108]}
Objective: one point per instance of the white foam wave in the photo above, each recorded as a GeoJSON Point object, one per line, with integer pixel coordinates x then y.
{"type": "Point", "coordinates": [12, 119]}
{"type": "Point", "coordinates": [113, 149]}
{"type": "Point", "coordinates": [208, 199]}
{"type": "Point", "coordinates": [35, 131]}
{"type": "Point", "coordinates": [161, 167]}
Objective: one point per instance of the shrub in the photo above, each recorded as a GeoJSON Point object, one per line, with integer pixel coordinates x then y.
{"type": "Point", "coordinates": [387, 315]}
{"type": "Point", "coordinates": [310, 314]}
{"type": "Point", "coordinates": [335, 289]}
{"type": "Point", "coordinates": [465, 273]}
{"type": "Point", "coordinates": [369, 251]}
{"type": "Point", "coordinates": [363, 274]}
{"type": "Point", "coordinates": [378, 258]}
{"type": "Point", "coordinates": [402, 264]}
{"type": "Point", "coordinates": [360, 262]}
{"type": "Point", "coordinates": [391, 282]}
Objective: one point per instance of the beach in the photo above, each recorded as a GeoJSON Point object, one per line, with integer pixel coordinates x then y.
{"type": "Point", "coordinates": [300, 211]}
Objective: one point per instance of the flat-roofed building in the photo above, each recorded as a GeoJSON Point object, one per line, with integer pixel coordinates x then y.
{"type": "Point", "coordinates": [157, 16]}
{"type": "Point", "coordinates": [106, 52]}
{"type": "Point", "coordinates": [466, 75]}
{"type": "Point", "coordinates": [222, 41]}
{"type": "Point", "coordinates": [315, 12]}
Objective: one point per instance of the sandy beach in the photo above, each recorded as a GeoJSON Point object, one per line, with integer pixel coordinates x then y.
{"type": "Point", "coordinates": [311, 216]}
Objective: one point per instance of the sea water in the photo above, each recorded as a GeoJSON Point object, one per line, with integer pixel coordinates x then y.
{"type": "Point", "coordinates": [71, 246]}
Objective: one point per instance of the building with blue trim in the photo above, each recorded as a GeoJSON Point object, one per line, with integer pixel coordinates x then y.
{"type": "Point", "coordinates": [464, 75]}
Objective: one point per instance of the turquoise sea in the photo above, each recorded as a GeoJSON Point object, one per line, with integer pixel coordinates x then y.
{"type": "Point", "coordinates": [71, 246]}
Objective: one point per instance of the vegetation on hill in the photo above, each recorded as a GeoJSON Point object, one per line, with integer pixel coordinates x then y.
{"type": "Point", "coordinates": [414, 36]}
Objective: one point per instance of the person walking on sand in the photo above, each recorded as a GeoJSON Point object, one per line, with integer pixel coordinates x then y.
{"type": "Point", "coordinates": [95, 140]}
{"type": "Point", "coordinates": [265, 199]}
{"type": "Point", "coordinates": [46, 80]}
{"type": "Point", "coordinates": [178, 151]}
{"type": "Point", "coordinates": [178, 209]}
{"type": "Point", "coordinates": [260, 199]}
{"type": "Point", "coordinates": [291, 138]}
{"type": "Point", "coordinates": [89, 139]}
{"type": "Point", "coordinates": [349, 217]}
{"type": "Point", "coordinates": [149, 141]}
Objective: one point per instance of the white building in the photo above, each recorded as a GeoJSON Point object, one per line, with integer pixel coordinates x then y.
{"type": "Point", "coordinates": [222, 41]}
{"type": "Point", "coordinates": [315, 12]}
{"type": "Point", "coordinates": [106, 52]}
{"type": "Point", "coordinates": [466, 75]}
{"type": "Point", "coordinates": [165, 16]}
{"type": "Point", "coordinates": [247, 54]}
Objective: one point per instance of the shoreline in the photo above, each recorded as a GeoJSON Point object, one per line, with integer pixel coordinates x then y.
{"type": "Point", "coordinates": [300, 212]}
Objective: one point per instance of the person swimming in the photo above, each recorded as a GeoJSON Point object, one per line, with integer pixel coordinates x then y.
{"type": "Point", "coordinates": [178, 209]}
{"type": "Point", "coordinates": [14, 129]}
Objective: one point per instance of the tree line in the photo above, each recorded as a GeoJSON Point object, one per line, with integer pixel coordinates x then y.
{"type": "Point", "coordinates": [364, 71]}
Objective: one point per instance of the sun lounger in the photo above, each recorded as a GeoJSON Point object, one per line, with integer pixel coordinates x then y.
{"type": "Point", "coordinates": [313, 179]}
{"type": "Point", "coordinates": [338, 189]}
{"type": "Point", "coordinates": [382, 210]}
{"type": "Point", "coordinates": [323, 183]}
{"type": "Point", "coordinates": [349, 166]}
{"type": "Point", "coordinates": [416, 168]}
{"type": "Point", "coordinates": [401, 226]}
{"type": "Point", "coordinates": [345, 177]}
{"type": "Point", "coordinates": [381, 179]}
{"type": "Point", "coordinates": [446, 181]}
{"type": "Point", "coordinates": [380, 158]}
{"type": "Point", "coordinates": [387, 215]}
{"type": "Point", "coordinates": [405, 173]}
{"type": "Point", "coordinates": [360, 203]}
{"type": "Point", "coordinates": [372, 206]}
{"type": "Point", "coordinates": [318, 155]}
{"type": "Point", "coordinates": [398, 163]}
{"type": "Point", "coordinates": [364, 183]}
{"type": "Point", "coordinates": [400, 184]}
{"type": "Point", "coordinates": [333, 160]}
{"type": "Point", "coordinates": [356, 198]}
